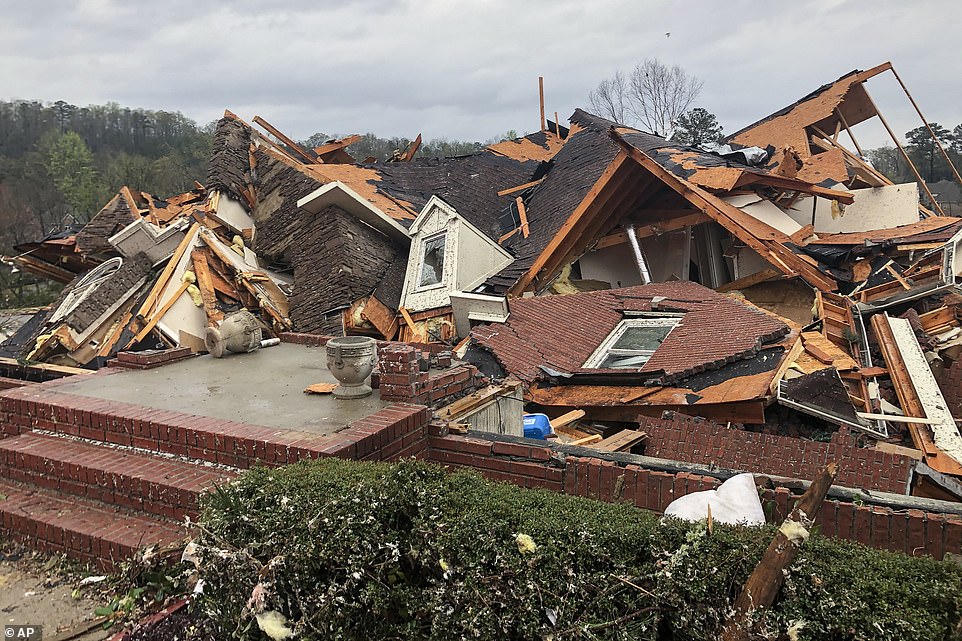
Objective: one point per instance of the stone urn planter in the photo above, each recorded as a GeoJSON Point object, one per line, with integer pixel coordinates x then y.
{"type": "Point", "coordinates": [351, 360]}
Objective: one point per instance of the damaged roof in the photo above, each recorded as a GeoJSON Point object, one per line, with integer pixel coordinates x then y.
{"type": "Point", "coordinates": [823, 108]}
{"type": "Point", "coordinates": [562, 332]}
{"type": "Point", "coordinates": [572, 172]}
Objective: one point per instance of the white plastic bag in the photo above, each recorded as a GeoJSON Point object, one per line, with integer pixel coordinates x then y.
{"type": "Point", "coordinates": [734, 502]}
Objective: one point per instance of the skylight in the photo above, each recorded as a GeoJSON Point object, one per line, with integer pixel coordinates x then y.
{"type": "Point", "coordinates": [632, 343]}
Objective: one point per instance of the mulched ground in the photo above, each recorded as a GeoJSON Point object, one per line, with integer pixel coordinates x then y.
{"type": "Point", "coordinates": [179, 626]}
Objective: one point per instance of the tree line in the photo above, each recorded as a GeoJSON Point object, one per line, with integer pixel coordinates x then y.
{"type": "Point", "coordinates": [60, 163]}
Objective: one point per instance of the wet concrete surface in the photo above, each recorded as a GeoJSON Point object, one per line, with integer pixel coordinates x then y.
{"type": "Point", "coordinates": [265, 388]}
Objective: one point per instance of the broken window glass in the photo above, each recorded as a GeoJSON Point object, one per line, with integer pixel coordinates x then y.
{"type": "Point", "coordinates": [632, 343]}
{"type": "Point", "coordinates": [432, 262]}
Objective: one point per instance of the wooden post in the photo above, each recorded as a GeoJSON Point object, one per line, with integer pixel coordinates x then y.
{"type": "Point", "coordinates": [904, 153]}
{"type": "Point", "coordinates": [766, 579]}
{"type": "Point", "coordinates": [926, 123]}
{"type": "Point", "coordinates": [544, 125]}
{"type": "Point", "coordinates": [841, 119]}
{"type": "Point", "coordinates": [557, 126]}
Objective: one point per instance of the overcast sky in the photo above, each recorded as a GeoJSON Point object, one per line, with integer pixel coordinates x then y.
{"type": "Point", "coordinates": [468, 70]}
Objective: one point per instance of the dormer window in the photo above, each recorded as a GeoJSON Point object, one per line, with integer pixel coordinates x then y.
{"type": "Point", "coordinates": [432, 262]}
{"type": "Point", "coordinates": [632, 343]}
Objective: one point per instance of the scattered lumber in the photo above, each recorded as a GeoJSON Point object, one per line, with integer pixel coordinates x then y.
{"type": "Point", "coordinates": [623, 441]}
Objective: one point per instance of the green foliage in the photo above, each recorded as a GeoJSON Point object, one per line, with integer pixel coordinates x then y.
{"type": "Point", "coordinates": [925, 154]}
{"type": "Point", "coordinates": [59, 161]}
{"type": "Point", "coordinates": [696, 128]}
{"type": "Point", "coordinates": [71, 168]}
{"type": "Point", "coordinates": [344, 550]}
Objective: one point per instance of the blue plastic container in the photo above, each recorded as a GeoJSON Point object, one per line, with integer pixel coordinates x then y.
{"type": "Point", "coordinates": [536, 426]}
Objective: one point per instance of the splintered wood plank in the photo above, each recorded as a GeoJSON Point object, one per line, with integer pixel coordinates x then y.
{"type": "Point", "coordinates": [406, 315]}
{"type": "Point", "coordinates": [623, 441]}
{"type": "Point", "coordinates": [284, 139]}
{"type": "Point", "coordinates": [380, 315]}
{"type": "Point", "coordinates": [909, 398]}
{"type": "Point", "coordinates": [155, 318]}
{"type": "Point", "coordinates": [567, 419]}
{"type": "Point", "coordinates": [523, 215]}
{"type": "Point", "coordinates": [161, 283]}
{"type": "Point", "coordinates": [334, 145]}
{"type": "Point", "coordinates": [765, 581]}
{"type": "Point", "coordinates": [937, 318]}
{"type": "Point", "coordinates": [747, 281]}
{"type": "Point", "coordinates": [320, 388]}
{"type": "Point", "coordinates": [412, 149]}
{"type": "Point", "coordinates": [514, 190]}
{"type": "Point", "coordinates": [206, 286]}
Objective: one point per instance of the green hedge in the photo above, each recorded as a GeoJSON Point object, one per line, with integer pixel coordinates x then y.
{"type": "Point", "coordinates": [348, 550]}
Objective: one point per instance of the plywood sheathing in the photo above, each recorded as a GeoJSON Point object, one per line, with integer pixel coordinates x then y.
{"type": "Point", "coordinates": [935, 227]}
{"type": "Point", "coordinates": [541, 146]}
{"type": "Point", "coordinates": [788, 127]}
{"type": "Point", "coordinates": [364, 181]}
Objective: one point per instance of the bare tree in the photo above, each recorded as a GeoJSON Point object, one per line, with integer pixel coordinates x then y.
{"type": "Point", "coordinates": [610, 98]}
{"type": "Point", "coordinates": [653, 95]}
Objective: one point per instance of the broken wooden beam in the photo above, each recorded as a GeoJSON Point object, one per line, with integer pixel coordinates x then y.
{"type": "Point", "coordinates": [766, 579]}
{"type": "Point", "coordinates": [567, 419]}
{"type": "Point", "coordinates": [293, 146]}
{"type": "Point", "coordinates": [412, 149]}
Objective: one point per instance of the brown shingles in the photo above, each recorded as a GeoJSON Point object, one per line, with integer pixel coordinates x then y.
{"type": "Point", "coordinates": [561, 332]}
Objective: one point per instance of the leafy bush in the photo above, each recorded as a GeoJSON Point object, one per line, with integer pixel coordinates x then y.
{"type": "Point", "coordinates": [341, 550]}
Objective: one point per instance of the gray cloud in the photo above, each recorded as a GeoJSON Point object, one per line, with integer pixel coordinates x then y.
{"type": "Point", "coordinates": [466, 69]}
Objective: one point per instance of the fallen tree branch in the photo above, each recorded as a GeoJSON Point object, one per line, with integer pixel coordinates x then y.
{"type": "Point", "coordinates": [766, 579]}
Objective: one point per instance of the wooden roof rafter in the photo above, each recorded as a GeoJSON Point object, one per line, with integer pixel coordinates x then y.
{"type": "Point", "coordinates": [762, 238]}
{"type": "Point", "coordinates": [585, 208]}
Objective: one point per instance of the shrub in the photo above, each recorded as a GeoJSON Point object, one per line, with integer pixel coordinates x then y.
{"type": "Point", "coordinates": [342, 550]}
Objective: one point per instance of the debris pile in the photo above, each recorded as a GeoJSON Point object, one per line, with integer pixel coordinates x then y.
{"type": "Point", "coordinates": [776, 284]}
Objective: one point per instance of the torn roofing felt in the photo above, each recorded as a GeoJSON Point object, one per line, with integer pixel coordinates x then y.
{"type": "Point", "coordinates": [562, 332]}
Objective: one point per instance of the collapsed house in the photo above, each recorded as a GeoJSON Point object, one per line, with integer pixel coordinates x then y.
{"type": "Point", "coordinates": [778, 284]}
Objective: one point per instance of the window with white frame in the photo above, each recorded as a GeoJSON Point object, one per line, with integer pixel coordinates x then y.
{"type": "Point", "coordinates": [432, 262]}
{"type": "Point", "coordinates": [632, 343]}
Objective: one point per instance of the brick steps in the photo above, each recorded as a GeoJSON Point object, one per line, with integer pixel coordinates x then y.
{"type": "Point", "coordinates": [156, 485]}
{"type": "Point", "coordinates": [81, 528]}
{"type": "Point", "coordinates": [98, 479]}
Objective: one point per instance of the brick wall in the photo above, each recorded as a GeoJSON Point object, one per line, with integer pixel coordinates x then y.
{"type": "Point", "coordinates": [11, 383]}
{"type": "Point", "coordinates": [913, 532]}
{"type": "Point", "coordinates": [400, 376]}
{"type": "Point", "coordinates": [388, 432]}
{"type": "Point", "coordinates": [694, 440]}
